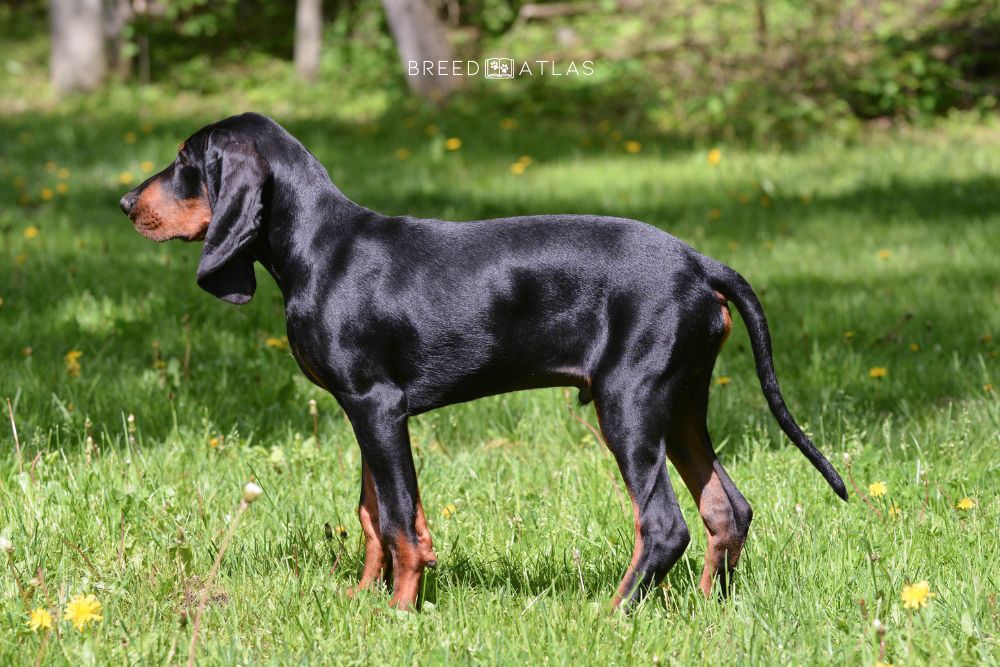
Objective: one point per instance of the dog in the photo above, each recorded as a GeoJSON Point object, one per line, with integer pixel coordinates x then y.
{"type": "Point", "coordinates": [396, 316]}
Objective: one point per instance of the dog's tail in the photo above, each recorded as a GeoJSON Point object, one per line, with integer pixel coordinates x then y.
{"type": "Point", "coordinates": [736, 289]}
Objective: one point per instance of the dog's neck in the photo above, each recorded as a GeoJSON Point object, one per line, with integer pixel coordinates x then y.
{"type": "Point", "coordinates": [323, 217]}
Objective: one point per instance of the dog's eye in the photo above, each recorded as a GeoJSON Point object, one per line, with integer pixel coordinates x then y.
{"type": "Point", "coordinates": [190, 175]}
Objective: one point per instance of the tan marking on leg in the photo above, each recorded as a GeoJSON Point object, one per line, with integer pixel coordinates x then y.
{"type": "Point", "coordinates": [723, 545]}
{"type": "Point", "coordinates": [696, 464]}
{"type": "Point", "coordinates": [409, 561]}
{"type": "Point", "coordinates": [378, 561]}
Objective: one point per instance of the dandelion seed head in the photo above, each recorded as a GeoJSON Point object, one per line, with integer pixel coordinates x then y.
{"type": "Point", "coordinates": [251, 492]}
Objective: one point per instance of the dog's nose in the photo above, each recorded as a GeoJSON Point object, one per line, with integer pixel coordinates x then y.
{"type": "Point", "coordinates": [128, 201]}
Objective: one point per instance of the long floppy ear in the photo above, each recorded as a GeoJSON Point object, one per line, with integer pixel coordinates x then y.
{"type": "Point", "coordinates": [235, 174]}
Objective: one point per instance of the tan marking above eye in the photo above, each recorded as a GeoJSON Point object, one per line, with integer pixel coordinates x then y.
{"type": "Point", "coordinates": [180, 146]}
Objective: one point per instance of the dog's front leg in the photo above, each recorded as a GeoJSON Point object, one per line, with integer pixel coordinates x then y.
{"type": "Point", "coordinates": [378, 558]}
{"type": "Point", "coordinates": [380, 424]}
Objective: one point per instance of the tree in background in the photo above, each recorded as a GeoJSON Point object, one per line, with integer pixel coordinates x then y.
{"type": "Point", "coordinates": [420, 36]}
{"type": "Point", "coordinates": [308, 38]}
{"type": "Point", "coordinates": [78, 61]}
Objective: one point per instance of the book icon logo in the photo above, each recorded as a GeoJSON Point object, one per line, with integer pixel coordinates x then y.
{"type": "Point", "coordinates": [499, 68]}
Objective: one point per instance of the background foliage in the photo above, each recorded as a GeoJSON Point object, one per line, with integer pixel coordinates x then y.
{"type": "Point", "coordinates": [753, 71]}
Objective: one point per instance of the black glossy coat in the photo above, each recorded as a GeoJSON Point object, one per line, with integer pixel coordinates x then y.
{"type": "Point", "coordinates": [396, 316]}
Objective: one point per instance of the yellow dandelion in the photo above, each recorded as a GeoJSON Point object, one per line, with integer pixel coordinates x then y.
{"type": "Point", "coordinates": [914, 347]}
{"type": "Point", "coordinates": [714, 156]}
{"type": "Point", "coordinates": [604, 126]}
{"type": "Point", "coordinates": [632, 147]}
{"type": "Point", "coordinates": [526, 160]}
{"type": "Point", "coordinates": [878, 372]}
{"type": "Point", "coordinates": [895, 511]}
{"type": "Point", "coordinates": [878, 489]}
{"type": "Point", "coordinates": [277, 343]}
{"type": "Point", "coordinates": [46, 194]}
{"type": "Point", "coordinates": [508, 123]}
{"type": "Point", "coordinates": [82, 610]}
{"type": "Point", "coordinates": [402, 154]}
{"type": "Point", "coordinates": [26, 351]}
{"type": "Point", "coordinates": [743, 198]}
{"type": "Point", "coordinates": [146, 166]}
{"type": "Point", "coordinates": [21, 258]}
{"type": "Point", "coordinates": [214, 442]}
{"type": "Point", "coordinates": [714, 213]}
{"type": "Point", "coordinates": [449, 510]}
{"type": "Point", "coordinates": [453, 144]}
{"type": "Point", "coordinates": [125, 177]}
{"type": "Point", "coordinates": [341, 531]}
{"type": "Point", "coordinates": [39, 619]}
{"type": "Point", "coordinates": [723, 380]}
{"type": "Point", "coordinates": [72, 360]}
{"type": "Point", "coordinates": [879, 663]}
{"type": "Point", "coordinates": [63, 173]}
{"type": "Point", "coordinates": [848, 335]}
{"type": "Point", "coordinates": [985, 339]}
{"type": "Point", "coordinates": [50, 167]}
{"type": "Point", "coordinates": [431, 130]}
{"type": "Point", "coordinates": [765, 200]}
{"type": "Point", "coordinates": [129, 137]}
{"type": "Point", "coordinates": [518, 168]}
{"type": "Point", "coordinates": [30, 232]}
{"type": "Point", "coordinates": [987, 387]}
{"type": "Point", "coordinates": [147, 128]}
{"type": "Point", "coordinates": [916, 596]}
{"type": "Point", "coordinates": [965, 504]}
{"type": "Point", "coordinates": [884, 254]}
{"type": "Point", "coordinates": [62, 188]}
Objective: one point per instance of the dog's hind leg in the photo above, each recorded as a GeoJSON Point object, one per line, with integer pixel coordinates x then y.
{"type": "Point", "coordinates": [633, 431]}
{"type": "Point", "coordinates": [724, 511]}
{"type": "Point", "coordinates": [380, 424]}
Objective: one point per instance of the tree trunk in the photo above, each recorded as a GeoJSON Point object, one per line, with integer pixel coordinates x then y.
{"type": "Point", "coordinates": [420, 39]}
{"type": "Point", "coordinates": [761, 11]}
{"type": "Point", "coordinates": [78, 58]}
{"type": "Point", "coordinates": [308, 37]}
{"type": "Point", "coordinates": [118, 14]}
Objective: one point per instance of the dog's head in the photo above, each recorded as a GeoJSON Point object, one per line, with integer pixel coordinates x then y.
{"type": "Point", "coordinates": [213, 191]}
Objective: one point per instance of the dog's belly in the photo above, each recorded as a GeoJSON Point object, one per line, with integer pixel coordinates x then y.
{"type": "Point", "coordinates": [515, 354]}
{"type": "Point", "coordinates": [489, 381]}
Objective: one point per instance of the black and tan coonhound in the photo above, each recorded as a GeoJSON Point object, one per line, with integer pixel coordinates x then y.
{"type": "Point", "coordinates": [396, 316]}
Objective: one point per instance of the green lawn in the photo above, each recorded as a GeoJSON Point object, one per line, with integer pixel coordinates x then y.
{"type": "Point", "coordinates": [883, 253]}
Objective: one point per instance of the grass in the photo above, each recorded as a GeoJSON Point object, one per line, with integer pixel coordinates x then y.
{"type": "Point", "coordinates": [893, 239]}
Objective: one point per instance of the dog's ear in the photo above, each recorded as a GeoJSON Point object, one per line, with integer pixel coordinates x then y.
{"type": "Point", "coordinates": [235, 176]}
